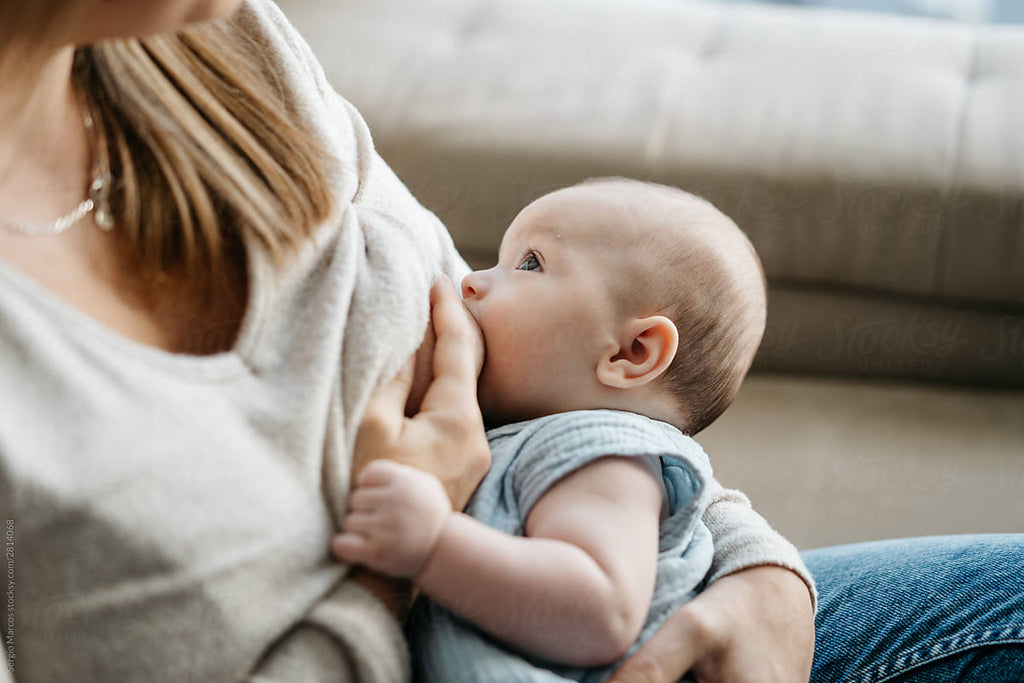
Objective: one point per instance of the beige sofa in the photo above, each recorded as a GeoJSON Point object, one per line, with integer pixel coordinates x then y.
{"type": "Point", "coordinates": [877, 163]}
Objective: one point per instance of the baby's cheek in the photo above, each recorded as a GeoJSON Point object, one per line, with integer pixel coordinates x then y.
{"type": "Point", "coordinates": [527, 353]}
{"type": "Point", "coordinates": [523, 375]}
{"type": "Point", "coordinates": [565, 338]}
{"type": "Point", "coordinates": [505, 376]}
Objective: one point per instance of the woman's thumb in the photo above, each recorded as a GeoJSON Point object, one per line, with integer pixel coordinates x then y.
{"type": "Point", "coordinates": [458, 342]}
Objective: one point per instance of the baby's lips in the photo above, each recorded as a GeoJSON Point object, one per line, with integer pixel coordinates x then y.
{"type": "Point", "coordinates": [469, 306]}
{"type": "Point", "coordinates": [472, 314]}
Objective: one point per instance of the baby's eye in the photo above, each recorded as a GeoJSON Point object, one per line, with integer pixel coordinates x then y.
{"type": "Point", "coordinates": [529, 261]}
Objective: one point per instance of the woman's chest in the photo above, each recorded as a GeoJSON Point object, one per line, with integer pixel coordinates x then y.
{"type": "Point", "coordinates": [87, 271]}
{"type": "Point", "coordinates": [145, 518]}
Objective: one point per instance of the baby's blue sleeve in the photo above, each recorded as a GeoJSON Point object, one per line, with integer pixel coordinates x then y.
{"type": "Point", "coordinates": [563, 443]}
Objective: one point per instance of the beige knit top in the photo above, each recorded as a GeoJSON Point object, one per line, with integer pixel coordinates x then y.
{"type": "Point", "coordinates": [170, 513]}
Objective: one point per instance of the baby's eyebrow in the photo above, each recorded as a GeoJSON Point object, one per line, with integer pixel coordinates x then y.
{"type": "Point", "coordinates": [502, 248]}
{"type": "Point", "coordinates": [539, 236]}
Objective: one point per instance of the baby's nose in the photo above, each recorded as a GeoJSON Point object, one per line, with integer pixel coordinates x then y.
{"type": "Point", "coordinates": [472, 286]}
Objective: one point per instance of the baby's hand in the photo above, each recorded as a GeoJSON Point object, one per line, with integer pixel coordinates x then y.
{"type": "Point", "coordinates": [395, 517]}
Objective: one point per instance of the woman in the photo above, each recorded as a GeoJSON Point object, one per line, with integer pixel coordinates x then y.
{"type": "Point", "coordinates": [206, 272]}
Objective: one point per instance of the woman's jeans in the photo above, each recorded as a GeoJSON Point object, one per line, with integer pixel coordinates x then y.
{"type": "Point", "coordinates": [917, 610]}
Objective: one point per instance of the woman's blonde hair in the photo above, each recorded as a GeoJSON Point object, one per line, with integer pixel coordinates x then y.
{"type": "Point", "coordinates": [203, 145]}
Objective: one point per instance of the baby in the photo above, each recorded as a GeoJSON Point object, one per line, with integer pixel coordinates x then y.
{"type": "Point", "coordinates": [621, 317]}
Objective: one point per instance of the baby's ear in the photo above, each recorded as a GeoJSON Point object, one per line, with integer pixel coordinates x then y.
{"type": "Point", "coordinates": [647, 347]}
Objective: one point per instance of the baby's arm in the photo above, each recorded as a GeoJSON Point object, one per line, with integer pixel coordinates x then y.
{"type": "Point", "coordinates": [575, 591]}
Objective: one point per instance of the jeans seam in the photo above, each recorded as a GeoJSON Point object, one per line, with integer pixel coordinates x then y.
{"type": "Point", "coordinates": [919, 656]}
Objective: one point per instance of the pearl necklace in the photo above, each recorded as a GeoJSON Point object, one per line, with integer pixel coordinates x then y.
{"type": "Point", "coordinates": [98, 199]}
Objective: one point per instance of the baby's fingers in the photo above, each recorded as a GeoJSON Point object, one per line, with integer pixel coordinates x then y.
{"type": "Point", "coordinates": [366, 524]}
{"type": "Point", "coordinates": [367, 499]}
{"type": "Point", "coordinates": [380, 472]}
{"type": "Point", "coordinates": [350, 548]}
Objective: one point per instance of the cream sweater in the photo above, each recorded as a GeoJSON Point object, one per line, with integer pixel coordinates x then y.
{"type": "Point", "coordinates": [171, 513]}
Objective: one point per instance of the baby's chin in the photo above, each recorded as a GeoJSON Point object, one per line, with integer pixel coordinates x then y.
{"type": "Point", "coordinates": [499, 408]}
{"type": "Point", "coordinates": [490, 405]}
{"type": "Point", "coordinates": [495, 407]}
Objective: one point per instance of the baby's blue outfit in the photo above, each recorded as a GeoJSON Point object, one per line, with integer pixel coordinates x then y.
{"type": "Point", "coordinates": [527, 459]}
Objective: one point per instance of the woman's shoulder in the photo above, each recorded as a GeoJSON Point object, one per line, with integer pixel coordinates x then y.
{"type": "Point", "coordinates": [362, 182]}
{"type": "Point", "coordinates": [288, 61]}
{"type": "Point", "coordinates": [264, 22]}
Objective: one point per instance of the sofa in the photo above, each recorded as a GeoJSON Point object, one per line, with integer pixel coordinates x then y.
{"type": "Point", "coordinates": [876, 162]}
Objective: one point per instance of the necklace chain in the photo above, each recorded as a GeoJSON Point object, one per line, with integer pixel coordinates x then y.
{"type": "Point", "coordinates": [98, 199]}
{"type": "Point", "coordinates": [56, 227]}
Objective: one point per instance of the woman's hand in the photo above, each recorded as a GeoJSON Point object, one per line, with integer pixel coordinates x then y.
{"type": "Point", "coordinates": [445, 437]}
{"type": "Point", "coordinates": [752, 626]}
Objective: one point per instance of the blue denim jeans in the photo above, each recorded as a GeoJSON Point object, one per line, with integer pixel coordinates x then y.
{"type": "Point", "coordinates": [920, 610]}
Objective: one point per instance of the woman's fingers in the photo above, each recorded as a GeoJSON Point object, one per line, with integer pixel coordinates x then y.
{"type": "Point", "coordinates": [385, 411]}
{"type": "Point", "coordinates": [753, 625]}
{"type": "Point", "coordinates": [458, 350]}
{"type": "Point", "coordinates": [666, 657]}
{"type": "Point", "coordinates": [424, 372]}
{"type": "Point", "coordinates": [393, 395]}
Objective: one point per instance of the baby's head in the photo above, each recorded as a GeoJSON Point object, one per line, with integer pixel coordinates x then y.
{"type": "Point", "coordinates": [619, 294]}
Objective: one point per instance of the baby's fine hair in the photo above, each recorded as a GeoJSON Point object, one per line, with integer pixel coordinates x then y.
{"type": "Point", "coordinates": [701, 272]}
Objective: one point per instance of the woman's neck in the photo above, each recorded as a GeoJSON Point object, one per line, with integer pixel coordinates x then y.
{"type": "Point", "coordinates": [44, 148]}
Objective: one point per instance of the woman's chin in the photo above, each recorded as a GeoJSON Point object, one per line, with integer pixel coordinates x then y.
{"type": "Point", "coordinates": [211, 10]}
{"type": "Point", "coordinates": [130, 18]}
